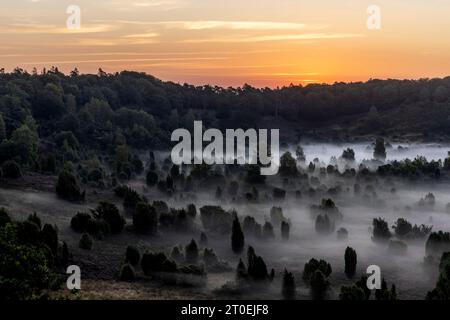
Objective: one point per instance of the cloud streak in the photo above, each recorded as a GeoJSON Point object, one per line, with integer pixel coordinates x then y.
{"type": "Point", "coordinates": [18, 29]}
{"type": "Point", "coordinates": [276, 37]}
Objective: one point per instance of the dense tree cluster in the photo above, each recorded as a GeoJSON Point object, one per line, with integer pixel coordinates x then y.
{"type": "Point", "coordinates": [437, 243]}
{"type": "Point", "coordinates": [329, 208]}
{"type": "Point", "coordinates": [215, 219]}
{"type": "Point", "coordinates": [29, 257]}
{"type": "Point", "coordinates": [404, 229]}
{"type": "Point", "coordinates": [379, 151]}
{"type": "Point", "coordinates": [103, 220]}
{"type": "Point", "coordinates": [256, 269]}
{"type": "Point", "coordinates": [381, 230]}
{"type": "Point", "coordinates": [68, 188]}
{"type": "Point", "coordinates": [316, 274]}
{"type": "Point", "coordinates": [324, 225]}
{"type": "Point", "coordinates": [413, 169]}
{"type": "Point", "coordinates": [97, 108]}
{"type": "Point", "coordinates": [357, 291]}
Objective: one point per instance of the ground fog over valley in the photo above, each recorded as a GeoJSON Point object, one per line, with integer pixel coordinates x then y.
{"type": "Point", "coordinates": [315, 179]}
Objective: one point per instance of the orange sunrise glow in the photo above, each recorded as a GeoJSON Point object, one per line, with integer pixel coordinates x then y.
{"type": "Point", "coordinates": [229, 43]}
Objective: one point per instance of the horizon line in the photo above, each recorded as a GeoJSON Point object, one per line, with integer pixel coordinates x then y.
{"type": "Point", "coordinates": [51, 69]}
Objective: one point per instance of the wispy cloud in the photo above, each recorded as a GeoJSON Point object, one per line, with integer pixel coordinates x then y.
{"type": "Point", "coordinates": [18, 29]}
{"type": "Point", "coordinates": [218, 24]}
{"type": "Point", "coordinates": [142, 35]}
{"type": "Point", "coordinates": [115, 41]}
{"type": "Point", "coordinates": [276, 37]}
{"type": "Point", "coordinates": [155, 3]}
{"type": "Point", "coordinates": [121, 60]}
{"type": "Point", "coordinates": [160, 5]}
{"type": "Point", "coordinates": [234, 25]}
{"type": "Point", "coordinates": [307, 36]}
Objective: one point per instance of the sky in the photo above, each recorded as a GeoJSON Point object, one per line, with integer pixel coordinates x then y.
{"type": "Point", "coordinates": [233, 42]}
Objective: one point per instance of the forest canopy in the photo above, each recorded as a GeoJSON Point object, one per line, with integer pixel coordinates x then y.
{"type": "Point", "coordinates": [136, 109]}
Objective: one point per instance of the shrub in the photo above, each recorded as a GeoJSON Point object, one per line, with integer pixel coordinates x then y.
{"type": "Point", "coordinates": [288, 165]}
{"type": "Point", "coordinates": [428, 202]}
{"type": "Point", "coordinates": [110, 214]}
{"type": "Point", "coordinates": [342, 234]}
{"type": "Point", "coordinates": [152, 262]}
{"type": "Point", "coordinates": [132, 255]}
{"type": "Point", "coordinates": [127, 273]}
{"type": "Point", "coordinates": [288, 287]}
{"type": "Point", "coordinates": [251, 227]}
{"type": "Point", "coordinates": [285, 228]}
{"type": "Point", "coordinates": [380, 230]}
{"type": "Point", "coordinates": [209, 257]}
{"type": "Point", "coordinates": [67, 187]}
{"type": "Point", "coordinates": [95, 175]}
{"type": "Point", "coordinates": [131, 199]}
{"type": "Point", "coordinates": [11, 170]}
{"type": "Point", "coordinates": [85, 242]}
{"type": "Point", "coordinates": [191, 252]}
{"type": "Point", "coordinates": [237, 237]}
{"type": "Point", "coordinates": [348, 154]}
{"type": "Point", "coordinates": [329, 208]}
{"type": "Point", "coordinates": [352, 293]}
{"type": "Point", "coordinates": [276, 216]}
{"type": "Point", "coordinates": [445, 259]}
{"type": "Point", "coordinates": [145, 219]}
{"type": "Point", "coordinates": [215, 219]}
{"type": "Point", "coordinates": [350, 262]}
{"type": "Point", "coordinates": [319, 285]}
{"type": "Point", "coordinates": [25, 269]}
{"type": "Point", "coordinates": [267, 232]}
{"type": "Point", "coordinates": [379, 151]}
{"type": "Point", "coordinates": [323, 224]}
{"type": "Point", "coordinates": [384, 293]}
{"type": "Point", "coordinates": [97, 228]}
{"type": "Point", "coordinates": [80, 221]}
{"type": "Point", "coordinates": [442, 288]}
{"type": "Point", "coordinates": [313, 265]}
{"type": "Point", "coordinates": [241, 271]}
{"type": "Point", "coordinates": [28, 232]}
{"type": "Point", "coordinates": [257, 269]}
{"type": "Point", "coordinates": [402, 227]}
{"type": "Point", "coordinates": [437, 243]}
